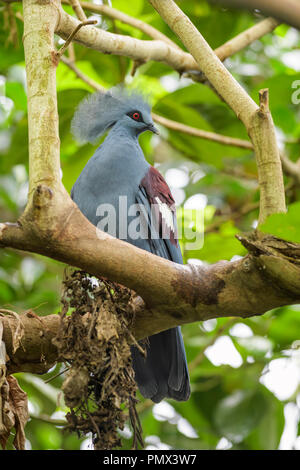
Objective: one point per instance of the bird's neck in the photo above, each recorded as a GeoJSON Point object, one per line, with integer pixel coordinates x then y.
{"type": "Point", "coordinates": [121, 142]}
{"type": "Point", "coordinates": [120, 131]}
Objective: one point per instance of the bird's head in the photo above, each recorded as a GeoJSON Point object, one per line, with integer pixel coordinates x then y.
{"type": "Point", "coordinates": [102, 110]}
{"type": "Point", "coordinates": [139, 121]}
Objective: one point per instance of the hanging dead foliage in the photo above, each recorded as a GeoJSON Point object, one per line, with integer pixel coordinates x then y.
{"type": "Point", "coordinates": [13, 403]}
{"type": "Point", "coordinates": [95, 340]}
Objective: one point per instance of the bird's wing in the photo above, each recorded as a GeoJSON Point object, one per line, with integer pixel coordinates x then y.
{"type": "Point", "coordinates": [155, 195]}
{"type": "Point", "coordinates": [164, 372]}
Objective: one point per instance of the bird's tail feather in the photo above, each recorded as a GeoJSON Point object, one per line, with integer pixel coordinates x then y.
{"type": "Point", "coordinates": [163, 373]}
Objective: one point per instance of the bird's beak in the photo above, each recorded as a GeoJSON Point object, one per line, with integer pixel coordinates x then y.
{"type": "Point", "coordinates": [152, 128]}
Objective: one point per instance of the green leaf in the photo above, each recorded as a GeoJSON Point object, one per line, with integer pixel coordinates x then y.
{"type": "Point", "coordinates": [285, 328]}
{"type": "Point", "coordinates": [238, 414]}
{"type": "Point", "coordinates": [267, 435]}
{"type": "Point", "coordinates": [284, 226]}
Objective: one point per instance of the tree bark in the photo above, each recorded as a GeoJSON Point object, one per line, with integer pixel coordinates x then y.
{"type": "Point", "coordinates": [268, 277]}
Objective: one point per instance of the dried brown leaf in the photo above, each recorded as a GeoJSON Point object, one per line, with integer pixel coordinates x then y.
{"type": "Point", "coordinates": [14, 412]}
{"type": "Point", "coordinates": [19, 402]}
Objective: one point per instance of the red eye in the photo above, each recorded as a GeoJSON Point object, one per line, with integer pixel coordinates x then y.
{"type": "Point", "coordinates": [136, 116]}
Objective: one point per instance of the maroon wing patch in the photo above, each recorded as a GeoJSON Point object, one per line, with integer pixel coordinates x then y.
{"type": "Point", "coordinates": [162, 204]}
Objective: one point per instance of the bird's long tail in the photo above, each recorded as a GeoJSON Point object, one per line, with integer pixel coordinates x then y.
{"type": "Point", "coordinates": [163, 373]}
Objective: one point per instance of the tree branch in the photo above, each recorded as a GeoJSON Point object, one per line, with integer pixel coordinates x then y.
{"type": "Point", "coordinates": [78, 10]}
{"type": "Point", "coordinates": [221, 139]}
{"type": "Point", "coordinates": [287, 11]}
{"type": "Point", "coordinates": [35, 352]}
{"type": "Point", "coordinates": [176, 295]}
{"type": "Point", "coordinates": [69, 40]}
{"type": "Point", "coordinates": [136, 49]}
{"type": "Point", "coordinates": [161, 50]}
{"type": "Point", "coordinates": [89, 81]}
{"type": "Point", "coordinates": [246, 38]}
{"type": "Point", "coordinates": [258, 121]}
{"type": "Point", "coordinates": [127, 19]}
{"type": "Point", "coordinates": [141, 52]}
{"type": "Point", "coordinates": [221, 79]}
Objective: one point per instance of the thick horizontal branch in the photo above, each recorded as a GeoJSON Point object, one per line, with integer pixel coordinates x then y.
{"type": "Point", "coordinates": [136, 49]}
{"type": "Point", "coordinates": [171, 294]}
{"type": "Point", "coordinates": [190, 293]}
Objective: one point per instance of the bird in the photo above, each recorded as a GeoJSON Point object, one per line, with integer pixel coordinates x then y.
{"type": "Point", "coordinates": [118, 171]}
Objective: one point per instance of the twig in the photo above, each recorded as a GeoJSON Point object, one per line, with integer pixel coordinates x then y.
{"type": "Point", "coordinates": [48, 419]}
{"type": "Point", "coordinates": [82, 17]}
{"type": "Point", "coordinates": [290, 168]}
{"type": "Point", "coordinates": [71, 53]}
{"type": "Point", "coordinates": [222, 139]}
{"type": "Point", "coordinates": [89, 81]}
{"type": "Point", "coordinates": [68, 41]}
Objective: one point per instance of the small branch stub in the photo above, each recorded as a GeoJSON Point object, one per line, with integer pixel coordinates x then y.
{"type": "Point", "coordinates": [264, 100]}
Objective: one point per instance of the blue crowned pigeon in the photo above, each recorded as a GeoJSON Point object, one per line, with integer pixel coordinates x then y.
{"type": "Point", "coordinates": [116, 181]}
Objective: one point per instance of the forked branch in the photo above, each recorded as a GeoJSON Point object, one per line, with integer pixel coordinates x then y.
{"type": "Point", "coordinates": [257, 120]}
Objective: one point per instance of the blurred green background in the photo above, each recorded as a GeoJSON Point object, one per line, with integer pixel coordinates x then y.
{"type": "Point", "coordinates": [245, 374]}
